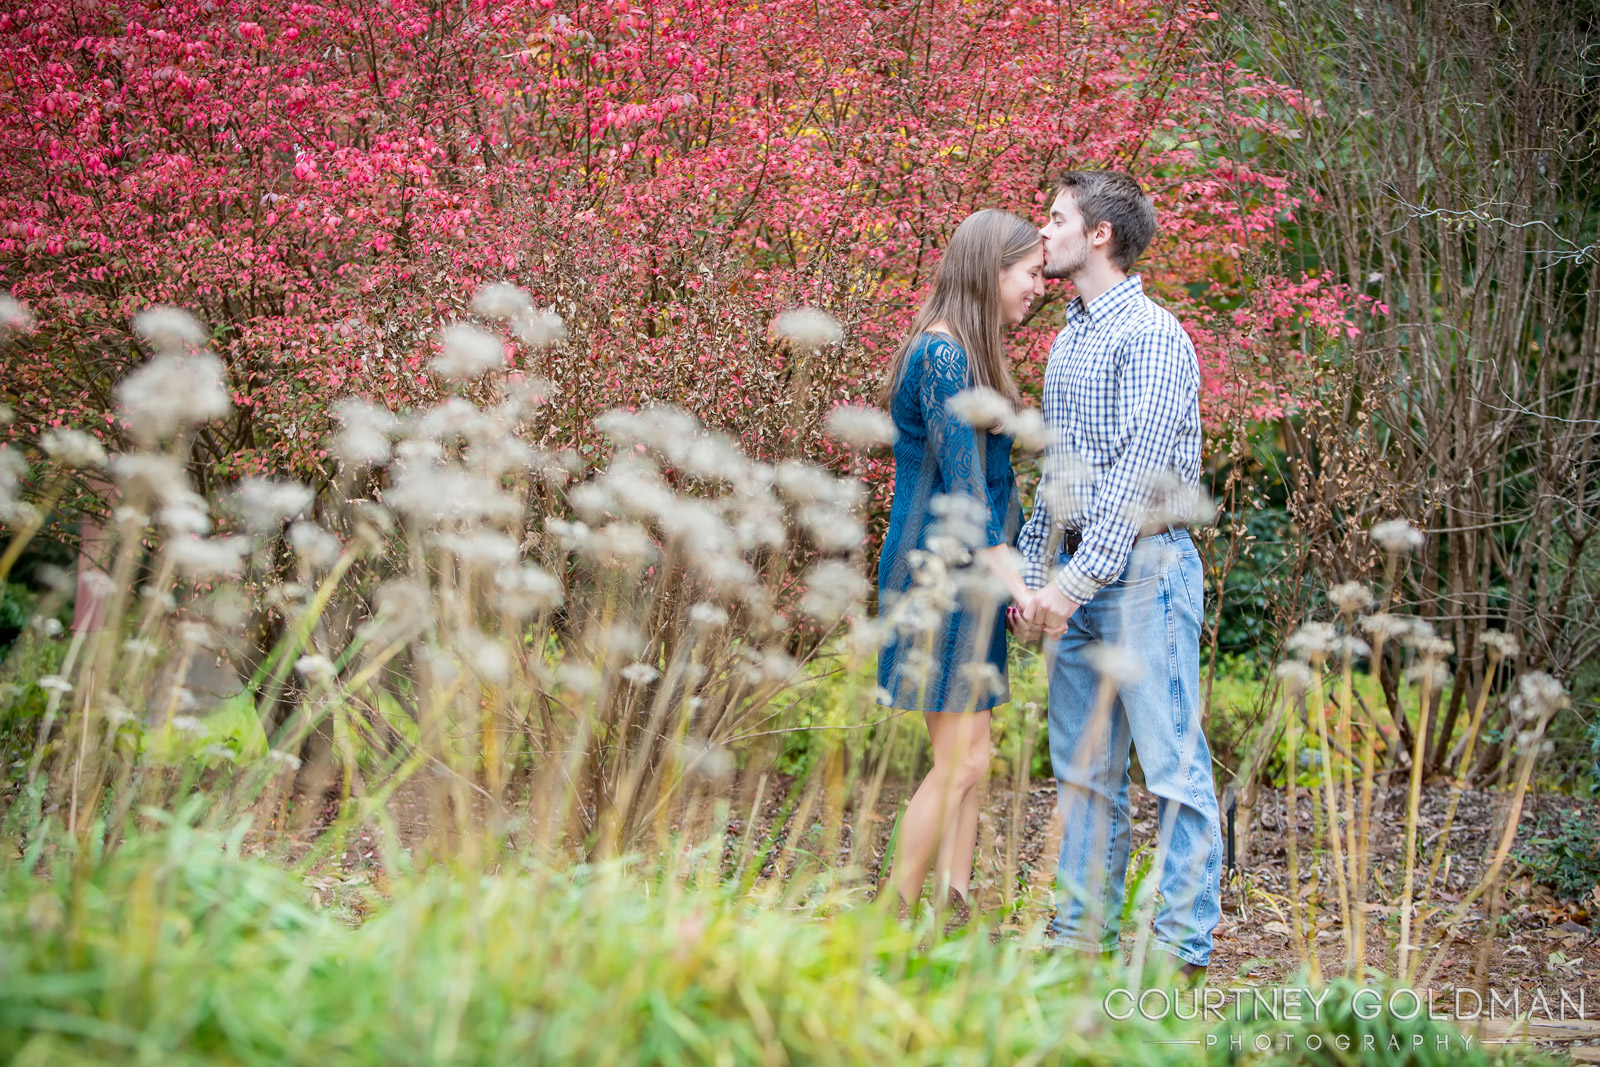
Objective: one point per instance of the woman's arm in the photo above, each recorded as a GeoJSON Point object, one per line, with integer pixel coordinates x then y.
{"type": "Point", "coordinates": [955, 444]}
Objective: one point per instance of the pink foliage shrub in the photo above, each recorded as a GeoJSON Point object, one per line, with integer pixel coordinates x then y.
{"type": "Point", "coordinates": [325, 184]}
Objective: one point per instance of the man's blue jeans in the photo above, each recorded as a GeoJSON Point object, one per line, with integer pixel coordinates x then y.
{"type": "Point", "coordinates": [1152, 615]}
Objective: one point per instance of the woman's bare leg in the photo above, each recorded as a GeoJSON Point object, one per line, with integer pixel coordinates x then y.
{"type": "Point", "coordinates": [954, 862]}
{"type": "Point", "coordinates": [935, 813]}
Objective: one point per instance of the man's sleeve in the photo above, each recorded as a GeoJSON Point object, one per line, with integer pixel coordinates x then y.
{"type": "Point", "coordinates": [1160, 383]}
{"type": "Point", "coordinates": [1031, 543]}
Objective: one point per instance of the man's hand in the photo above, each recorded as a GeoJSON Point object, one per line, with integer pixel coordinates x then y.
{"type": "Point", "coordinates": [1049, 610]}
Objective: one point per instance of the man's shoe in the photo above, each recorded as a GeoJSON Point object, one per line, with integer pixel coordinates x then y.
{"type": "Point", "coordinates": [1194, 974]}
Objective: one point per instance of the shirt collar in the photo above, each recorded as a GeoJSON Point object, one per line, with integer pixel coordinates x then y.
{"type": "Point", "coordinates": [1108, 304]}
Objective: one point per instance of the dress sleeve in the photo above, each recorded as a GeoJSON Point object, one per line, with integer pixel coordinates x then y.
{"type": "Point", "coordinates": [955, 445]}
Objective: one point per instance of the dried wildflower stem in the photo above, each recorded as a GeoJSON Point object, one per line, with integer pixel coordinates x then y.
{"type": "Point", "coordinates": [1325, 772]}
{"type": "Point", "coordinates": [1020, 779]}
{"type": "Point", "coordinates": [1490, 881]}
{"type": "Point", "coordinates": [1363, 850]}
{"type": "Point", "coordinates": [1291, 825]}
{"type": "Point", "coordinates": [1413, 801]}
{"type": "Point", "coordinates": [1347, 776]}
{"type": "Point", "coordinates": [1458, 784]}
{"type": "Point", "coordinates": [35, 522]}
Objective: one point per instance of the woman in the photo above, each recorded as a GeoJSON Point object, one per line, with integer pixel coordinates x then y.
{"type": "Point", "coordinates": [955, 672]}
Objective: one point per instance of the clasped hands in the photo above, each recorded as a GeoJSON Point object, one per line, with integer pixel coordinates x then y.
{"type": "Point", "coordinates": [1045, 611]}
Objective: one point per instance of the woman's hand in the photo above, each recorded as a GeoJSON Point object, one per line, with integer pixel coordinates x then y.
{"type": "Point", "coordinates": [1021, 630]}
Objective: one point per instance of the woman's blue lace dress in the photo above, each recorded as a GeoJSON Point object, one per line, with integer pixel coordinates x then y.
{"type": "Point", "coordinates": [936, 453]}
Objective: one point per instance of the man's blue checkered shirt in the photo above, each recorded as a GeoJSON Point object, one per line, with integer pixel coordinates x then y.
{"type": "Point", "coordinates": [1122, 410]}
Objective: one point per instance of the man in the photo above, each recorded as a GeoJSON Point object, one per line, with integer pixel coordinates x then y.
{"type": "Point", "coordinates": [1119, 581]}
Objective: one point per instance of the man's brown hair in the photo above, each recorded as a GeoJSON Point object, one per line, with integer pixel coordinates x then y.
{"type": "Point", "coordinates": [1112, 196]}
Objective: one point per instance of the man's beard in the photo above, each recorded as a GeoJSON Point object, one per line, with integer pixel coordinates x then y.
{"type": "Point", "coordinates": [1065, 268]}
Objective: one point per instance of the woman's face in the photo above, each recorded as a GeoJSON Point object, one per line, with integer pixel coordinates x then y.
{"type": "Point", "coordinates": [1020, 285]}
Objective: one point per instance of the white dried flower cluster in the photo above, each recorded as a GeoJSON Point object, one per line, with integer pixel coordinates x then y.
{"type": "Point", "coordinates": [479, 548]}
{"type": "Point", "coordinates": [832, 589]}
{"type": "Point", "coordinates": [1116, 664]}
{"type": "Point", "coordinates": [528, 589]}
{"type": "Point", "coordinates": [145, 475]}
{"type": "Point", "coordinates": [1170, 501]}
{"type": "Point", "coordinates": [706, 762]}
{"type": "Point", "coordinates": [524, 395]}
{"type": "Point", "coordinates": [314, 668]}
{"type": "Point", "coordinates": [804, 483]}
{"type": "Point", "coordinates": [1385, 627]}
{"type": "Point", "coordinates": [1294, 676]}
{"type": "Point", "coordinates": [169, 330]}
{"type": "Point", "coordinates": [73, 449]}
{"type": "Point", "coordinates": [1351, 647]}
{"type": "Point", "coordinates": [808, 329]}
{"type": "Point", "coordinates": [466, 352]}
{"type": "Point", "coordinates": [707, 616]}
{"type": "Point", "coordinates": [264, 504]}
{"type": "Point", "coordinates": [1434, 648]}
{"type": "Point", "coordinates": [14, 315]}
{"type": "Point", "coordinates": [195, 634]}
{"type": "Point", "coordinates": [983, 680]}
{"type": "Point", "coordinates": [13, 465]}
{"type": "Point", "coordinates": [172, 393]}
{"type": "Point", "coordinates": [7, 415]}
{"type": "Point", "coordinates": [979, 588]}
{"type": "Point", "coordinates": [1538, 697]}
{"type": "Point", "coordinates": [638, 673]}
{"type": "Point", "coordinates": [1500, 644]}
{"type": "Point", "coordinates": [401, 609]}
{"type": "Point", "coordinates": [1350, 598]}
{"type": "Point", "coordinates": [1429, 672]}
{"type": "Point", "coordinates": [1313, 640]}
{"type": "Point", "coordinates": [316, 547]}
{"type": "Point", "coordinates": [200, 557]}
{"type": "Point", "coordinates": [867, 636]}
{"type": "Point", "coordinates": [679, 438]}
{"type": "Point", "coordinates": [1026, 427]}
{"type": "Point", "coordinates": [578, 678]}
{"type": "Point", "coordinates": [429, 493]}
{"type": "Point", "coordinates": [283, 760]}
{"type": "Point", "coordinates": [1397, 535]}
{"type": "Point", "coordinates": [185, 513]}
{"type": "Point", "coordinates": [489, 659]}
{"type": "Point", "coordinates": [364, 438]}
{"type": "Point", "coordinates": [626, 546]}
{"type": "Point", "coordinates": [501, 300]}
{"type": "Point", "coordinates": [772, 665]}
{"type": "Point", "coordinates": [980, 407]}
{"type": "Point", "coordinates": [959, 524]}
{"type": "Point", "coordinates": [861, 427]}
{"type": "Point", "coordinates": [539, 327]}
{"type": "Point", "coordinates": [831, 528]}
{"type": "Point", "coordinates": [1066, 483]}
{"type": "Point", "coordinates": [139, 647]}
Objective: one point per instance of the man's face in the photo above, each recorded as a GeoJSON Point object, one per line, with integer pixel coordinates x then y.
{"type": "Point", "coordinates": [1066, 243]}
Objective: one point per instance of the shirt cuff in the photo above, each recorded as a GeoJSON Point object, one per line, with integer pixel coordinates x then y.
{"type": "Point", "coordinates": [1075, 584]}
{"type": "Point", "coordinates": [1034, 574]}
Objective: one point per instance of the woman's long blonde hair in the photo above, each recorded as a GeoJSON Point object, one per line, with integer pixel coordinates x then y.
{"type": "Point", "coordinates": [966, 295]}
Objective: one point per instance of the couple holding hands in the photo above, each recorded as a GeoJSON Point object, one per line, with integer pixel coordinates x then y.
{"type": "Point", "coordinates": [1117, 594]}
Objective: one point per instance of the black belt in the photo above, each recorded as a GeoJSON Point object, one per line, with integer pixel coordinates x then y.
{"type": "Point", "coordinates": [1072, 540]}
